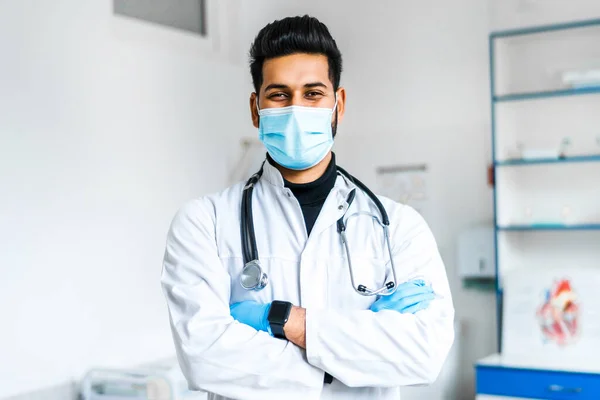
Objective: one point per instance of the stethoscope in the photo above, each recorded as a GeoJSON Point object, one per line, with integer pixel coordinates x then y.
{"type": "Point", "coordinates": [254, 278]}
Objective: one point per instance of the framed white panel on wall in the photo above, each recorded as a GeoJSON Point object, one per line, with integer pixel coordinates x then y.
{"type": "Point", "coordinates": [207, 27]}
{"type": "Point", "coordinates": [187, 15]}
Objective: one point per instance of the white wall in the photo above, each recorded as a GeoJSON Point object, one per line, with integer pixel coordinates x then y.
{"type": "Point", "coordinates": [106, 128]}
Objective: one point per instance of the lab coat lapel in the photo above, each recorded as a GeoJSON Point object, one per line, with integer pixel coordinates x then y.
{"type": "Point", "coordinates": [335, 206]}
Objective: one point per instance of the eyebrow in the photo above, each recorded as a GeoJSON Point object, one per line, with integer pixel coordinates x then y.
{"type": "Point", "coordinates": [315, 84]}
{"type": "Point", "coordinates": [282, 86]}
{"type": "Point", "coordinates": [276, 86]}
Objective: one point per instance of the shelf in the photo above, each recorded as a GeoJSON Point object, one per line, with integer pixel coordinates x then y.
{"type": "Point", "coordinates": [545, 28]}
{"type": "Point", "coordinates": [535, 161]}
{"type": "Point", "coordinates": [549, 227]}
{"type": "Point", "coordinates": [547, 94]}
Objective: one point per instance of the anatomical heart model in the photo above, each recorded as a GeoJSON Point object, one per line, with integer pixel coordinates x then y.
{"type": "Point", "coordinates": [559, 313]}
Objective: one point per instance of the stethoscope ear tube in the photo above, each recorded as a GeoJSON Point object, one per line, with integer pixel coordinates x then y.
{"type": "Point", "coordinates": [384, 216]}
{"type": "Point", "coordinates": [243, 229]}
{"type": "Point", "coordinates": [249, 247]}
{"type": "Point", "coordinates": [253, 254]}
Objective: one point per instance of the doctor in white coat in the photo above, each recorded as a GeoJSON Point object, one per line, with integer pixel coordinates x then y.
{"type": "Point", "coordinates": [341, 312]}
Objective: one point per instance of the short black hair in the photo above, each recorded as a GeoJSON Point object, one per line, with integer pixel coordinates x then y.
{"type": "Point", "coordinates": [294, 35]}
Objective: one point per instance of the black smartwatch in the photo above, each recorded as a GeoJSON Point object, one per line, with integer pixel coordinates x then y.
{"type": "Point", "coordinates": [278, 316]}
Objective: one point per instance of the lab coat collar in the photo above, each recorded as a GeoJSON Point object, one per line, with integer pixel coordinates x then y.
{"type": "Point", "coordinates": [335, 205]}
{"type": "Point", "coordinates": [334, 208]}
{"type": "Point", "coordinates": [272, 174]}
{"type": "Point", "coordinates": [342, 185]}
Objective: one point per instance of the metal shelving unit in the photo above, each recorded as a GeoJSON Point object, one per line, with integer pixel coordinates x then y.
{"type": "Point", "coordinates": [528, 379]}
{"type": "Point", "coordinates": [495, 99]}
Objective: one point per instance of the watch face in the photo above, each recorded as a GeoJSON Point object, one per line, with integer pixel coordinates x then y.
{"type": "Point", "coordinates": [279, 311]}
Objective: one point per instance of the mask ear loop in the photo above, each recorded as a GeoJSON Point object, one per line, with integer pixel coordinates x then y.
{"type": "Point", "coordinates": [257, 108]}
{"type": "Point", "coordinates": [334, 111]}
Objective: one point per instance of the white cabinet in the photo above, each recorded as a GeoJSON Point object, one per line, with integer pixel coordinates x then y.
{"type": "Point", "coordinates": [476, 253]}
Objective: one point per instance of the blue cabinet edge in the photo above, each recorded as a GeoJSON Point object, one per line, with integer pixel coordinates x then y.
{"type": "Point", "coordinates": [536, 383]}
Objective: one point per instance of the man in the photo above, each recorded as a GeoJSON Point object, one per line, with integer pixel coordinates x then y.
{"type": "Point", "coordinates": [312, 332]}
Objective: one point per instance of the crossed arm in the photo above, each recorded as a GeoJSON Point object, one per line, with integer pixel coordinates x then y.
{"type": "Point", "coordinates": [409, 297]}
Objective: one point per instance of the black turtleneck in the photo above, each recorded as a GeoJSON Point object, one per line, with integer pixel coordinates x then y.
{"type": "Point", "coordinates": [312, 195]}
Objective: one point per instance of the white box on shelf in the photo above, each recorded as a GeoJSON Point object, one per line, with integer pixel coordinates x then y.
{"type": "Point", "coordinates": [532, 154]}
{"type": "Point", "coordinates": [476, 257]}
{"type": "Point", "coordinates": [582, 78]}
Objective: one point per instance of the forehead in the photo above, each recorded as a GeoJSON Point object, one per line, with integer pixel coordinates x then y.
{"type": "Point", "coordinates": [296, 70]}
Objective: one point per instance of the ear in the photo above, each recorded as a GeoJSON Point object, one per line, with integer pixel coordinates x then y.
{"type": "Point", "coordinates": [341, 104]}
{"type": "Point", "coordinates": [254, 110]}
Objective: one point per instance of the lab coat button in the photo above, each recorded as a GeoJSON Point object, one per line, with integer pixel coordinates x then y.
{"type": "Point", "coordinates": [340, 207]}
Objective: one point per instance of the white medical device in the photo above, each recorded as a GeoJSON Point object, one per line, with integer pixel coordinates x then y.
{"type": "Point", "coordinates": [103, 384]}
{"type": "Point", "coordinates": [155, 382]}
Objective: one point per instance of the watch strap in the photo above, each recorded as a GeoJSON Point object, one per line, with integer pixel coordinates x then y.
{"type": "Point", "coordinates": [278, 316]}
{"type": "Point", "coordinates": [277, 330]}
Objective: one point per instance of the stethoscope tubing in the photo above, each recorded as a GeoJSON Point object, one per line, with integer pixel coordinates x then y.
{"type": "Point", "coordinates": [248, 235]}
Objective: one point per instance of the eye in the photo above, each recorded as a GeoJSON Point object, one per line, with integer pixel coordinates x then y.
{"type": "Point", "coordinates": [277, 96]}
{"type": "Point", "coordinates": [313, 94]}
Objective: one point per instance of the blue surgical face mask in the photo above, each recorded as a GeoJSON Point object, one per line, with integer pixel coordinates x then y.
{"type": "Point", "coordinates": [296, 137]}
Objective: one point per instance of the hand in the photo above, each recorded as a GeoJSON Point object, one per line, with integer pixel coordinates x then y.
{"type": "Point", "coordinates": [409, 297]}
{"type": "Point", "coordinates": [253, 314]}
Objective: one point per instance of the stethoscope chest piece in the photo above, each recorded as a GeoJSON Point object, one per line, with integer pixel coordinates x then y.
{"type": "Point", "coordinates": [253, 277]}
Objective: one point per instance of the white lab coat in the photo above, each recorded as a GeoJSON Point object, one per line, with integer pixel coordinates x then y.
{"type": "Point", "coordinates": [369, 354]}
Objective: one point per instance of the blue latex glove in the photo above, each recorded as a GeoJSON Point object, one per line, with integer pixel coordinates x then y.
{"type": "Point", "coordinates": [253, 314]}
{"type": "Point", "coordinates": [409, 298]}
